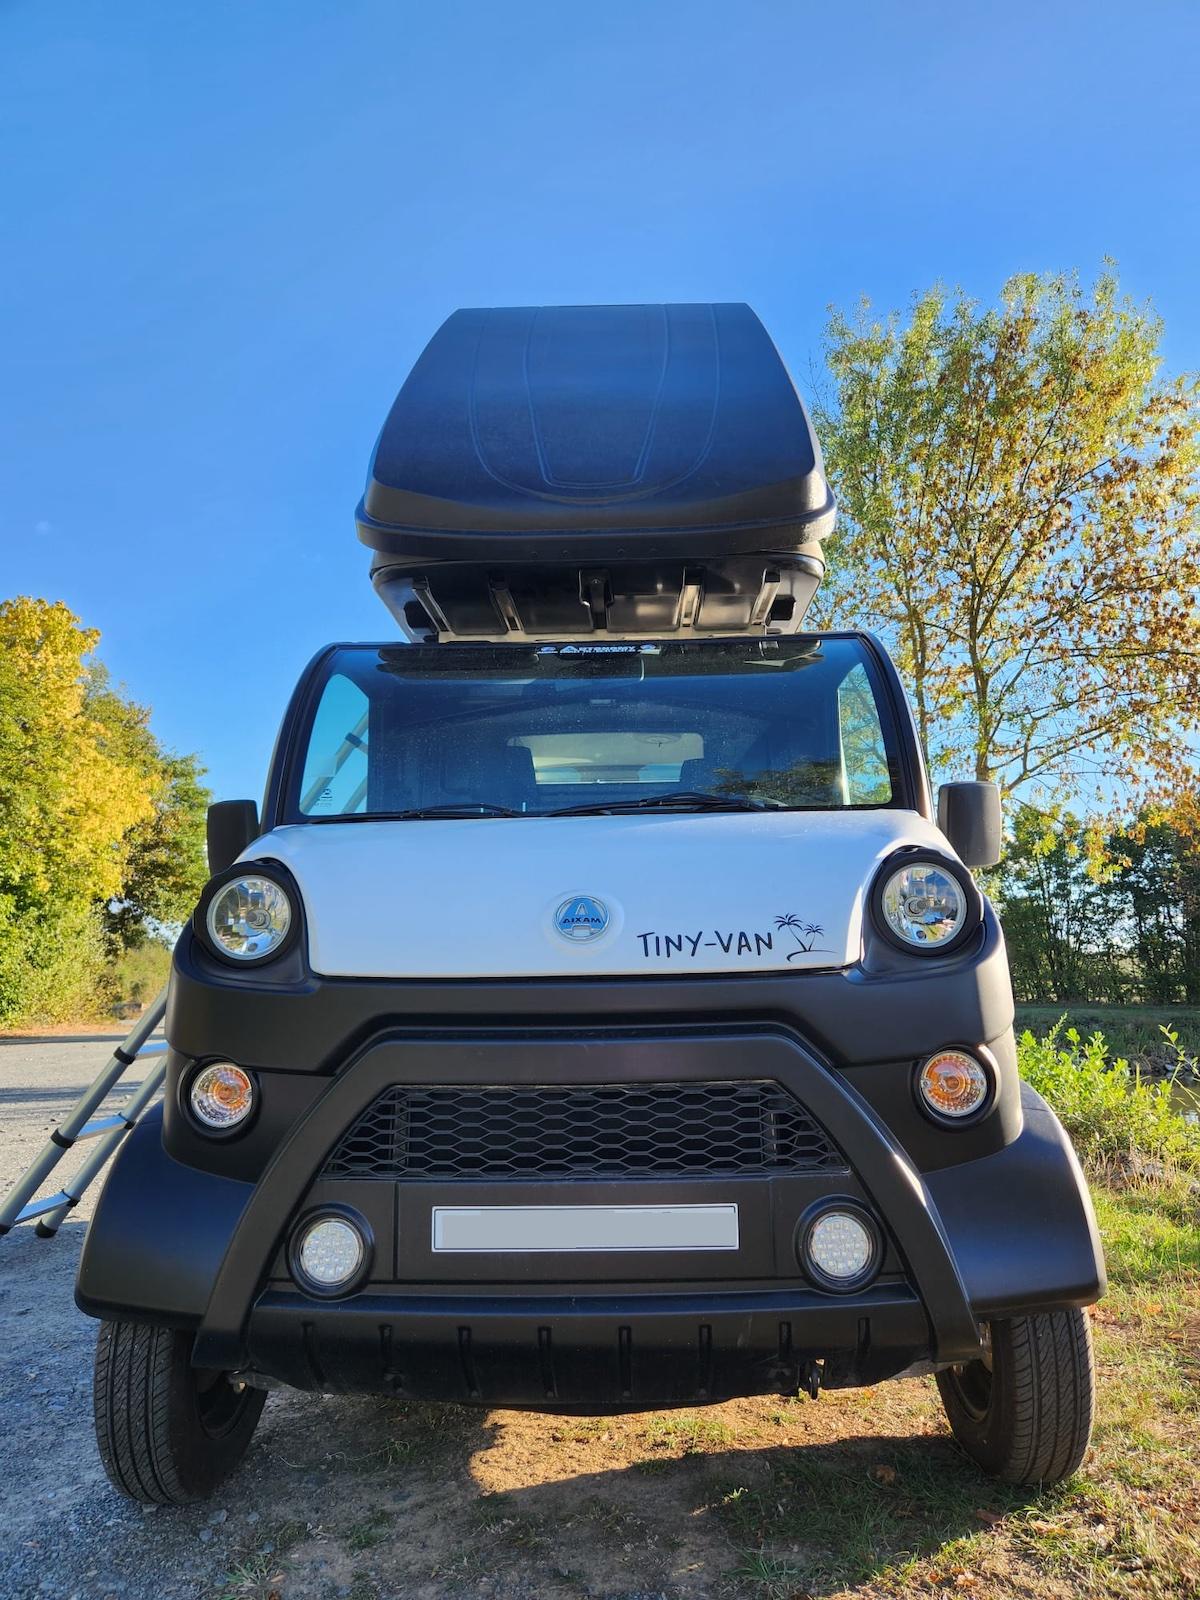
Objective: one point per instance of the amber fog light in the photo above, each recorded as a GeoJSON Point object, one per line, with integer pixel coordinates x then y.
{"type": "Point", "coordinates": [221, 1095]}
{"type": "Point", "coordinates": [953, 1085]}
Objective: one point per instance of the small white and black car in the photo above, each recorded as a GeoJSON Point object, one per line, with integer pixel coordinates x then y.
{"type": "Point", "coordinates": [599, 1016]}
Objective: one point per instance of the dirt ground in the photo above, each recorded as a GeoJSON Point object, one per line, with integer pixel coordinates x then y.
{"type": "Point", "coordinates": [364, 1499]}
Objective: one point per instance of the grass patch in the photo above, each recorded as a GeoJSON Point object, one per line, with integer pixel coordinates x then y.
{"type": "Point", "coordinates": [772, 1577]}
{"type": "Point", "coordinates": [499, 1522]}
{"type": "Point", "coordinates": [374, 1529]}
{"type": "Point", "coordinates": [260, 1572]}
{"type": "Point", "coordinates": [856, 1520]}
{"type": "Point", "coordinates": [362, 1587]}
{"type": "Point", "coordinates": [1151, 1238]}
{"type": "Point", "coordinates": [250, 1579]}
{"type": "Point", "coordinates": [419, 1435]}
{"type": "Point", "coordinates": [687, 1431]}
{"type": "Point", "coordinates": [581, 1430]}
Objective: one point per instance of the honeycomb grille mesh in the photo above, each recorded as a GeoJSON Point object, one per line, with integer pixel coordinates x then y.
{"type": "Point", "coordinates": [607, 1130]}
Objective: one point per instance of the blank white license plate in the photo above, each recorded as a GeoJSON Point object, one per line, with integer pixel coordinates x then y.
{"type": "Point", "coordinates": [579, 1228]}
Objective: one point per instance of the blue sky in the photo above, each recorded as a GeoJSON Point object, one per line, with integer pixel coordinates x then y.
{"type": "Point", "coordinates": [226, 232]}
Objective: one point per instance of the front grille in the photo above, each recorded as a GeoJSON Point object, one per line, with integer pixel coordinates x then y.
{"type": "Point", "coordinates": [606, 1130]}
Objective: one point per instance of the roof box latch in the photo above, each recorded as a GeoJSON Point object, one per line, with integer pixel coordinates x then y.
{"type": "Point", "coordinates": [596, 595]}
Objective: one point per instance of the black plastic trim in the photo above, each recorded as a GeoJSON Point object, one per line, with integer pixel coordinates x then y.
{"type": "Point", "coordinates": [1021, 1222]}
{"type": "Point", "coordinates": [231, 826]}
{"type": "Point", "coordinates": [603, 1352]}
{"type": "Point", "coordinates": [160, 1229]}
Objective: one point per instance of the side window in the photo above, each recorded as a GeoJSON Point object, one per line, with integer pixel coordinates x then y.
{"type": "Point", "coordinates": [866, 778]}
{"type": "Point", "coordinates": [335, 771]}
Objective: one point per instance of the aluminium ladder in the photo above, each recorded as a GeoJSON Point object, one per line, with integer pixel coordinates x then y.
{"type": "Point", "coordinates": [19, 1205]}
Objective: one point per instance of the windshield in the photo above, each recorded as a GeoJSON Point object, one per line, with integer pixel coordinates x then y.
{"type": "Point", "coordinates": [795, 724]}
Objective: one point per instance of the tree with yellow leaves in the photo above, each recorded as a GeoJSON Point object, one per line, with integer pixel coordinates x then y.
{"type": "Point", "coordinates": [1019, 493]}
{"type": "Point", "coordinates": [85, 793]}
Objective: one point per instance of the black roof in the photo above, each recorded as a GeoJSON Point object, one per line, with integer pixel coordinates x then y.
{"type": "Point", "coordinates": [595, 432]}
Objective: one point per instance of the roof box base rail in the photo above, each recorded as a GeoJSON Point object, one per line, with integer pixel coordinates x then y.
{"type": "Point", "coordinates": [440, 602]}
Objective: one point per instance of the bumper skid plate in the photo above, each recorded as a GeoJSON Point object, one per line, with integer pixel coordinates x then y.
{"type": "Point", "coordinates": [585, 1350]}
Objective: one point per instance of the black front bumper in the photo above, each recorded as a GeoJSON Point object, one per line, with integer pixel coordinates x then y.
{"type": "Point", "coordinates": [1007, 1232]}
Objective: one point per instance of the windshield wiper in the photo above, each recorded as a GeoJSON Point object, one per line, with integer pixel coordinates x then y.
{"type": "Point", "coordinates": [461, 808]}
{"type": "Point", "coordinates": [689, 800]}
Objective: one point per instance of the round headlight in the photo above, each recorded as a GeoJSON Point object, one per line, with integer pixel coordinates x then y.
{"type": "Point", "coordinates": [330, 1252]}
{"type": "Point", "coordinates": [953, 1085]}
{"type": "Point", "coordinates": [249, 918]}
{"type": "Point", "coordinates": [221, 1095]}
{"type": "Point", "coordinates": [840, 1249]}
{"type": "Point", "coordinates": [924, 906]}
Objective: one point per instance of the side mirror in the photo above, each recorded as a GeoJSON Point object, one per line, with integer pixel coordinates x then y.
{"type": "Point", "coordinates": [969, 815]}
{"type": "Point", "coordinates": [232, 824]}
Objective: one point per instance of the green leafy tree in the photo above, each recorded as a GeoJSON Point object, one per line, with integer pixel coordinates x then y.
{"type": "Point", "coordinates": [1058, 922]}
{"type": "Point", "coordinates": [1155, 894]}
{"type": "Point", "coordinates": [165, 863]}
{"type": "Point", "coordinates": [166, 856]}
{"type": "Point", "coordinates": [1018, 487]}
{"type": "Point", "coordinates": [1118, 924]}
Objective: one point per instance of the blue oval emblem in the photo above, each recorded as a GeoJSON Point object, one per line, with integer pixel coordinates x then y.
{"type": "Point", "coordinates": [581, 918]}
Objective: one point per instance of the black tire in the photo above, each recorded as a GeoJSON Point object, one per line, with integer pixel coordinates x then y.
{"type": "Point", "coordinates": [1025, 1411]}
{"type": "Point", "coordinates": [168, 1434]}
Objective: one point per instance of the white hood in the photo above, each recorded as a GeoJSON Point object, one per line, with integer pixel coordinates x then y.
{"type": "Point", "coordinates": [481, 897]}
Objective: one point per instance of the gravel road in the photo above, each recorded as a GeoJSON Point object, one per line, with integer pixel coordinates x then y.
{"type": "Point", "coordinates": [344, 1498]}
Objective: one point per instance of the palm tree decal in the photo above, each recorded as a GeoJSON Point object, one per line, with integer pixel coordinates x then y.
{"type": "Point", "coordinates": [804, 933]}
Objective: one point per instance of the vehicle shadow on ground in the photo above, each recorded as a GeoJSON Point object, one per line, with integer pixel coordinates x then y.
{"type": "Point", "coordinates": [665, 1503]}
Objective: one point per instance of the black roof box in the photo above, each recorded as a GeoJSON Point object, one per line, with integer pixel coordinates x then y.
{"type": "Point", "coordinates": [588, 458]}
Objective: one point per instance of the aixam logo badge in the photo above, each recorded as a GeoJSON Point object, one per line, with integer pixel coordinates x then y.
{"type": "Point", "coordinates": [581, 918]}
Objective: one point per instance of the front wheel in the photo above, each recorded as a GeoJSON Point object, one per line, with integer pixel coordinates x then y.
{"type": "Point", "coordinates": [1024, 1409]}
{"type": "Point", "coordinates": [168, 1434]}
